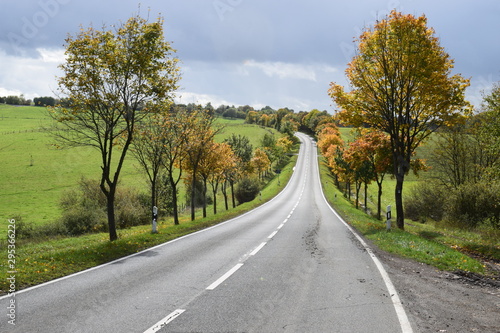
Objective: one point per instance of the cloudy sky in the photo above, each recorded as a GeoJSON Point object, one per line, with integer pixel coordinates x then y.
{"type": "Point", "coordinates": [281, 53]}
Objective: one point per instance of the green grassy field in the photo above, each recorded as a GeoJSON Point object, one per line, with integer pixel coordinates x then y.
{"type": "Point", "coordinates": [35, 174]}
{"type": "Point", "coordinates": [253, 132]}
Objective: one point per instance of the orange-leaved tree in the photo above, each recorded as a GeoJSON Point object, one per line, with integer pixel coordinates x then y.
{"type": "Point", "coordinates": [329, 135]}
{"type": "Point", "coordinates": [359, 167]}
{"type": "Point", "coordinates": [216, 167]}
{"type": "Point", "coordinates": [149, 150]}
{"type": "Point", "coordinates": [374, 148]}
{"type": "Point", "coordinates": [401, 84]}
{"type": "Point", "coordinates": [331, 146]}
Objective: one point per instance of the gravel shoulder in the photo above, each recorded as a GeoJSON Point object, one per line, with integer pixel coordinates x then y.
{"type": "Point", "coordinates": [440, 301]}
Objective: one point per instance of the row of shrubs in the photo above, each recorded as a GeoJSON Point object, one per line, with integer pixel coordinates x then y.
{"type": "Point", "coordinates": [84, 211]}
{"type": "Point", "coordinates": [467, 206]}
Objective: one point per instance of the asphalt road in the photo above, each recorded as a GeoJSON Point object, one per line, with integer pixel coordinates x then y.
{"type": "Point", "coordinates": [290, 265]}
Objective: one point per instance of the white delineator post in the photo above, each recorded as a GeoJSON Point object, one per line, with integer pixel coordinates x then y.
{"type": "Point", "coordinates": [155, 216]}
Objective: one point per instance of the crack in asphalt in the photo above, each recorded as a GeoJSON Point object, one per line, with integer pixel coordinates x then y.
{"type": "Point", "coordinates": [311, 237]}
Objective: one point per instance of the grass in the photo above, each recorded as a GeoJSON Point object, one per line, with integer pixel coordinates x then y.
{"type": "Point", "coordinates": [483, 242]}
{"type": "Point", "coordinates": [35, 174]}
{"type": "Point", "coordinates": [253, 132]}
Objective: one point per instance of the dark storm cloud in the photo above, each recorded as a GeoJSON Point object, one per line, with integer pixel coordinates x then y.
{"type": "Point", "coordinates": [253, 51]}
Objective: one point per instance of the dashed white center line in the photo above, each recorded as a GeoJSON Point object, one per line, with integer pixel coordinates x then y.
{"type": "Point", "coordinates": [162, 323]}
{"type": "Point", "coordinates": [224, 277]}
{"type": "Point", "coordinates": [273, 234]}
{"type": "Point", "coordinates": [258, 248]}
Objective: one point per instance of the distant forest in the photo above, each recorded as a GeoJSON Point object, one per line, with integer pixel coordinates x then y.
{"type": "Point", "coordinates": [37, 101]}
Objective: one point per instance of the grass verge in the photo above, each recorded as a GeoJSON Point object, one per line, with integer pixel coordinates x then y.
{"type": "Point", "coordinates": [50, 259]}
{"type": "Point", "coordinates": [411, 243]}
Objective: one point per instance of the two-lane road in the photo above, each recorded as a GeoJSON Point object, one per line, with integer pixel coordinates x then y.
{"type": "Point", "coordinates": [290, 265]}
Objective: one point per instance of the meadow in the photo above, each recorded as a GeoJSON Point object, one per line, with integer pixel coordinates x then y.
{"type": "Point", "coordinates": [35, 172]}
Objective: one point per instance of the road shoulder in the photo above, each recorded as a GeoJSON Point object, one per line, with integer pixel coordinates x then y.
{"type": "Point", "coordinates": [440, 301]}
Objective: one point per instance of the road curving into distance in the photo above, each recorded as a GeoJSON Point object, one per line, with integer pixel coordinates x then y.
{"type": "Point", "coordinates": [291, 265]}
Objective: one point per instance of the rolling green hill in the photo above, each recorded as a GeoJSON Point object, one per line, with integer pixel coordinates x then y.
{"type": "Point", "coordinates": [35, 173]}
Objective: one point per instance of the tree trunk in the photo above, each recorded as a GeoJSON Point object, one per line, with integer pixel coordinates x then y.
{"type": "Point", "coordinates": [401, 165]}
{"type": "Point", "coordinates": [174, 200]}
{"type": "Point", "coordinates": [232, 195]}
{"type": "Point", "coordinates": [224, 193]}
{"type": "Point", "coordinates": [215, 201]}
{"type": "Point", "coordinates": [110, 205]}
{"type": "Point", "coordinates": [193, 189]}
{"type": "Point", "coordinates": [400, 218]}
{"type": "Point", "coordinates": [204, 198]}
{"type": "Point", "coordinates": [358, 187]}
{"type": "Point", "coordinates": [379, 200]}
{"type": "Point", "coordinates": [366, 197]}
{"type": "Point", "coordinates": [153, 194]}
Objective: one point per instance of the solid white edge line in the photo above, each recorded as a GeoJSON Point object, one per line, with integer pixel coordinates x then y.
{"type": "Point", "coordinates": [398, 306]}
{"type": "Point", "coordinates": [162, 323]}
{"type": "Point", "coordinates": [273, 234]}
{"type": "Point", "coordinates": [258, 248]}
{"type": "Point", "coordinates": [224, 277]}
{"type": "Point", "coordinates": [148, 249]}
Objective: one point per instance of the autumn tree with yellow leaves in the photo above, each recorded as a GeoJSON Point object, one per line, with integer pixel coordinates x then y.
{"type": "Point", "coordinates": [216, 168]}
{"type": "Point", "coordinates": [402, 84]}
{"type": "Point", "coordinates": [260, 162]}
{"type": "Point", "coordinates": [197, 150]}
{"type": "Point", "coordinates": [112, 79]}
